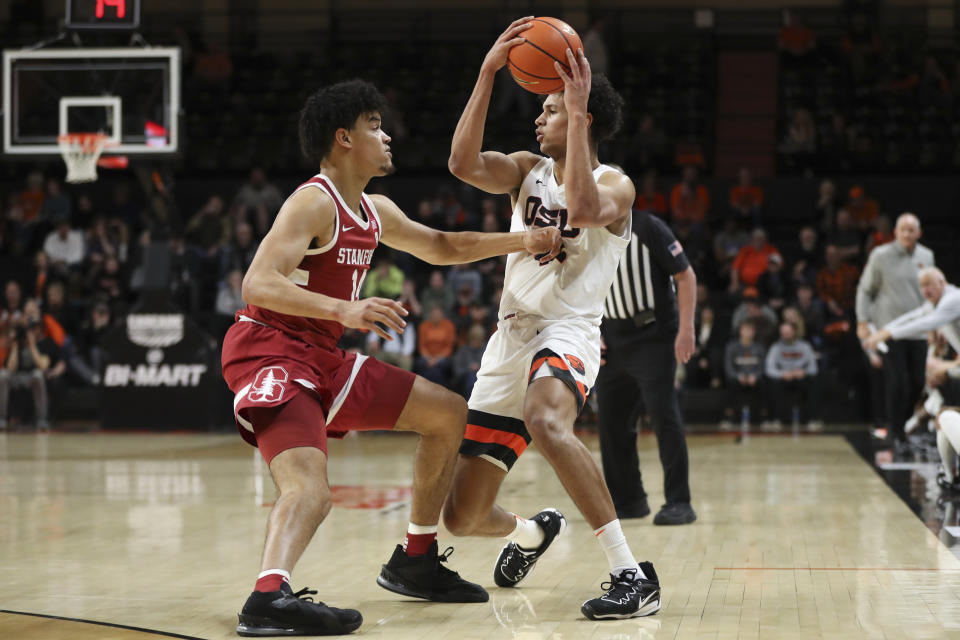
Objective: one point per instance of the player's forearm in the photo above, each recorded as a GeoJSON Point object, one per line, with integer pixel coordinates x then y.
{"type": "Point", "coordinates": [583, 198]}
{"type": "Point", "coordinates": [274, 292]}
{"type": "Point", "coordinates": [469, 246]}
{"type": "Point", "coordinates": [468, 136]}
{"type": "Point", "coordinates": [686, 297]}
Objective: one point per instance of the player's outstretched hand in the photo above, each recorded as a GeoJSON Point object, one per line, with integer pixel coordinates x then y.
{"type": "Point", "coordinates": [497, 56]}
{"type": "Point", "coordinates": [374, 314]}
{"type": "Point", "coordinates": [543, 242]}
{"type": "Point", "coordinates": [576, 84]}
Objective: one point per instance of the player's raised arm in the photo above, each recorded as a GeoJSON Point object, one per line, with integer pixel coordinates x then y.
{"type": "Point", "coordinates": [491, 171]}
{"type": "Point", "coordinates": [306, 215]}
{"type": "Point", "coordinates": [442, 247]}
{"type": "Point", "coordinates": [590, 203]}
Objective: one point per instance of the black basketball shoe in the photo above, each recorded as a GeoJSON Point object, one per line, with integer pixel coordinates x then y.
{"type": "Point", "coordinates": [627, 596]}
{"type": "Point", "coordinates": [514, 564]}
{"type": "Point", "coordinates": [285, 613]}
{"type": "Point", "coordinates": [426, 577]}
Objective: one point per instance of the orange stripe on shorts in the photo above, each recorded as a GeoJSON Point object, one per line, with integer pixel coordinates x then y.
{"type": "Point", "coordinates": [485, 434]}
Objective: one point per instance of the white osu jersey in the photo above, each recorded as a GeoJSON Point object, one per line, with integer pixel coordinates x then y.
{"type": "Point", "coordinates": [576, 282]}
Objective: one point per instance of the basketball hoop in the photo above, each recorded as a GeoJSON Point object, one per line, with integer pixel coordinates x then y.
{"type": "Point", "coordinates": [81, 153]}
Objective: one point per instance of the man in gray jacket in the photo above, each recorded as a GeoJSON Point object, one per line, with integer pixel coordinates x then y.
{"type": "Point", "coordinates": [888, 289]}
{"type": "Point", "coordinates": [792, 369]}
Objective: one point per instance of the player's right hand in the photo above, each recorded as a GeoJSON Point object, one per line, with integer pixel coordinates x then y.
{"type": "Point", "coordinates": [497, 56]}
{"type": "Point", "coordinates": [373, 314]}
{"type": "Point", "coordinates": [863, 331]}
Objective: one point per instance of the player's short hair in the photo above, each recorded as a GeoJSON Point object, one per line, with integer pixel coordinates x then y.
{"type": "Point", "coordinates": [606, 106]}
{"type": "Point", "coordinates": [335, 107]}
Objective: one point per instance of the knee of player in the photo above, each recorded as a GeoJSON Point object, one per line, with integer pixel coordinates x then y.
{"type": "Point", "coordinates": [317, 500]}
{"type": "Point", "coordinates": [546, 429]}
{"type": "Point", "coordinates": [457, 521]}
{"type": "Point", "coordinates": [450, 415]}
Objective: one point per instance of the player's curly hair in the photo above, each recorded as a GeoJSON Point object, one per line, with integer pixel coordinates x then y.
{"type": "Point", "coordinates": [606, 106]}
{"type": "Point", "coordinates": [335, 107]}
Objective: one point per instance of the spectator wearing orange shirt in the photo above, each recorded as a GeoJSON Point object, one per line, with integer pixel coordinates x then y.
{"type": "Point", "coordinates": [795, 38]}
{"type": "Point", "coordinates": [689, 200]}
{"type": "Point", "coordinates": [649, 198]}
{"type": "Point", "coordinates": [863, 209]}
{"type": "Point", "coordinates": [882, 235]}
{"type": "Point", "coordinates": [837, 283]}
{"type": "Point", "coordinates": [31, 199]}
{"type": "Point", "coordinates": [746, 200]}
{"type": "Point", "coordinates": [751, 261]}
{"type": "Point", "coordinates": [436, 341]}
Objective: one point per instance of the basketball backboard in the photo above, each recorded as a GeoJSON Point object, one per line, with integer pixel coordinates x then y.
{"type": "Point", "coordinates": [132, 95]}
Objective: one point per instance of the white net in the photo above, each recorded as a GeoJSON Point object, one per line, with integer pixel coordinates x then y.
{"type": "Point", "coordinates": [80, 152]}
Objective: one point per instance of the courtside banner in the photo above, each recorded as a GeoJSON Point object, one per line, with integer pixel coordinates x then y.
{"type": "Point", "coordinates": [159, 370]}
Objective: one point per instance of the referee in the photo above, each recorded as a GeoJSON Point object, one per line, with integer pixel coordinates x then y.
{"type": "Point", "coordinates": [645, 336]}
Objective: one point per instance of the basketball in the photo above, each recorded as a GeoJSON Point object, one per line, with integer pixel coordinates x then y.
{"type": "Point", "coordinates": [546, 42]}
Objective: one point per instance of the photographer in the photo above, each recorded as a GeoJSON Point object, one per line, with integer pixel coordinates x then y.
{"type": "Point", "coordinates": [30, 360]}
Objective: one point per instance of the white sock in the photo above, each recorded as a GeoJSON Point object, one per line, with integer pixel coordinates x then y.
{"type": "Point", "coordinates": [614, 545]}
{"type": "Point", "coordinates": [527, 534]}
{"type": "Point", "coordinates": [948, 441]}
{"type": "Point", "coordinates": [948, 456]}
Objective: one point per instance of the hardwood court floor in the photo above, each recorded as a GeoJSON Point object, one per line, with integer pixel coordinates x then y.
{"type": "Point", "coordinates": [796, 538]}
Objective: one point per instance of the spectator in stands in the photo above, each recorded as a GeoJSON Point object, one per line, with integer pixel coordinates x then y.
{"type": "Point", "coordinates": [208, 229]}
{"type": "Point", "coordinates": [595, 47]}
{"type": "Point", "coordinates": [800, 142]}
{"type": "Point", "coordinates": [846, 238]}
{"type": "Point", "coordinates": [229, 298]}
{"type": "Point", "coordinates": [87, 361]}
{"type": "Point", "coordinates": [64, 247]}
{"type": "Point", "coordinates": [55, 205]}
{"type": "Point", "coordinates": [837, 284]}
{"type": "Point", "coordinates": [649, 198]}
{"type": "Point", "coordinates": [466, 361]}
{"type": "Point", "coordinates": [12, 304]}
{"type": "Point", "coordinates": [258, 192]}
{"type": "Point", "coordinates": [85, 213]}
{"type": "Point", "coordinates": [31, 200]}
{"type": "Point", "coordinates": [704, 369]}
{"type": "Point", "coordinates": [463, 276]}
{"type": "Point", "coordinates": [807, 257]}
{"type": "Point", "coordinates": [107, 281]}
{"type": "Point", "coordinates": [437, 294]}
{"type": "Point", "coordinates": [751, 261]}
{"type": "Point", "coordinates": [863, 209]}
{"type": "Point", "coordinates": [791, 367]}
{"type": "Point", "coordinates": [123, 209]}
{"type": "Point", "coordinates": [826, 206]}
{"type": "Point", "coordinates": [408, 298]}
{"type": "Point", "coordinates": [726, 245]}
{"type": "Point", "coordinates": [102, 242]}
{"type": "Point", "coordinates": [813, 312]}
{"type": "Point", "coordinates": [397, 351]}
{"type": "Point", "coordinates": [60, 313]}
{"type": "Point", "coordinates": [39, 276]}
{"type": "Point", "coordinates": [689, 200]}
{"type": "Point", "coordinates": [31, 358]}
{"type": "Point", "coordinates": [773, 285]}
{"type": "Point", "coordinates": [436, 341]}
{"type": "Point", "coordinates": [746, 200]}
{"type": "Point", "coordinates": [881, 235]}
{"type": "Point", "coordinates": [743, 364]}
{"type": "Point", "coordinates": [796, 41]}
{"type": "Point", "coordinates": [648, 147]}
{"type": "Point", "coordinates": [385, 280]}
{"type": "Point", "coordinates": [238, 254]}
{"type": "Point", "coordinates": [764, 318]}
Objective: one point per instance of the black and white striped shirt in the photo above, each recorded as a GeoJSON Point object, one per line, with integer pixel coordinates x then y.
{"type": "Point", "coordinates": [642, 301]}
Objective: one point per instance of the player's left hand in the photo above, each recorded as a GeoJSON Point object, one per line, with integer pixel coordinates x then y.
{"type": "Point", "coordinates": [683, 346]}
{"type": "Point", "coordinates": [576, 84]}
{"type": "Point", "coordinates": [543, 242]}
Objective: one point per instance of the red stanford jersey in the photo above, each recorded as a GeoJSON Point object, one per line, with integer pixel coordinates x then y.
{"type": "Point", "coordinates": [336, 269]}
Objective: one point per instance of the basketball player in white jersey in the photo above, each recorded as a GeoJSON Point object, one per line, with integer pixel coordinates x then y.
{"type": "Point", "coordinates": [540, 364]}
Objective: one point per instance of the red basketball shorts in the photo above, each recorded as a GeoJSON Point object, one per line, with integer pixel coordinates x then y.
{"type": "Point", "coordinates": [266, 369]}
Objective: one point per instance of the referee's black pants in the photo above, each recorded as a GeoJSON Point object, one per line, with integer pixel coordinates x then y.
{"type": "Point", "coordinates": [904, 373]}
{"type": "Point", "coordinates": [638, 375]}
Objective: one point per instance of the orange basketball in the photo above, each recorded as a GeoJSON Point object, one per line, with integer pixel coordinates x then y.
{"type": "Point", "coordinates": [546, 42]}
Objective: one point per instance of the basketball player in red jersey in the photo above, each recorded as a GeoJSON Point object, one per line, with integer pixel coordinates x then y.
{"type": "Point", "coordinates": [545, 355]}
{"type": "Point", "coordinates": [293, 387]}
